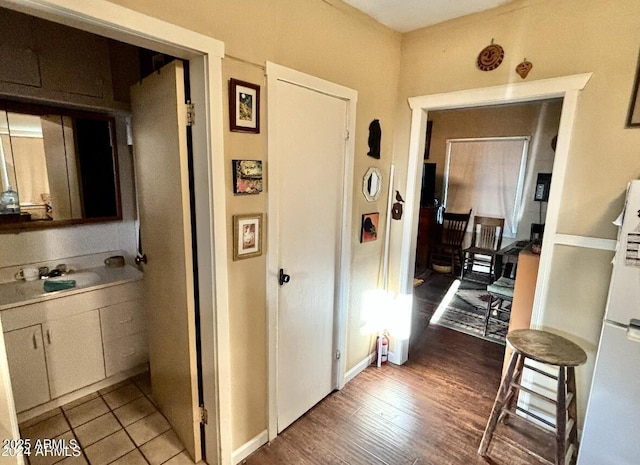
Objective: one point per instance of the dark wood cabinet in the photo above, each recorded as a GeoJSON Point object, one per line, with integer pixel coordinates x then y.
{"type": "Point", "coordinates": [427, 234]}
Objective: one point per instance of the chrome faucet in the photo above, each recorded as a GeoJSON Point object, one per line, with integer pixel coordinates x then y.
{"type": "Point", "coordinates": [59, 270]}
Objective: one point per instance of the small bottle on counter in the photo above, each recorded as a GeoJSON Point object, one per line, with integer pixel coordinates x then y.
{"type": "Point", "coordinates": [9, 202]}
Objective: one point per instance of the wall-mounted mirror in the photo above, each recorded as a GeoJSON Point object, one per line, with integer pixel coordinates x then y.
{"type": "Point", "coordinates": [372, 184]}
{"type": "Point", "coordinates": [56, 167]}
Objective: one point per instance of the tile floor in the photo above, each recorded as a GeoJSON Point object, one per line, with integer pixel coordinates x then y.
{"type": "Point", "coordinates": [118, 425]}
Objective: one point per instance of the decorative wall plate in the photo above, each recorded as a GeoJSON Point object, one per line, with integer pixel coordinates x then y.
{"type": "Point", "coordinates": [490, 57]}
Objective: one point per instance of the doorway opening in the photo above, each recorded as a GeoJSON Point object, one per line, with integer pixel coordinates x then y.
{"type": "Point", "coordinates": [568, 88]}
{"type": "Point", "coordinates": [203, 55]}
{"type": "Point", "coordinates": [486, 161]}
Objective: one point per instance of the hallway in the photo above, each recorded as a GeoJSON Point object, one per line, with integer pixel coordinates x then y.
{"type": "Point", "coordinates": [432, 410]}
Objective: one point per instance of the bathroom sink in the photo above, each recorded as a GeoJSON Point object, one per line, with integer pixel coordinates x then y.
{"type": "Point", "coordinates": [18, 292]}
{"type": "Point", "coordinates": [82, 278]}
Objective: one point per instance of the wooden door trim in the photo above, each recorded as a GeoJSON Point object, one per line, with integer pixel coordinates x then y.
{"type": "Point", "coordinates": [277, 73]}
{"type": "Point", "coordinates": [205, 58]}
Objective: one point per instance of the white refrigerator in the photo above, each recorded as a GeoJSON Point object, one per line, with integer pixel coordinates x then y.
{"type": "Point", "coordinates": [611, 432]}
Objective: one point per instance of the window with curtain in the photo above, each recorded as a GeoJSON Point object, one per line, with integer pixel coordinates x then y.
{"type": "Point", "coordinates": [487, 176]}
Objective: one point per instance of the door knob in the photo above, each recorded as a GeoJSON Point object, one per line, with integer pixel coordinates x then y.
{"type": "Point", "coordinates": [284, 278]}
{"type": "Point", "coordinates": [141, 259]}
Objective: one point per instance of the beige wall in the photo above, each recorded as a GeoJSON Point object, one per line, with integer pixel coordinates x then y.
{"type": "Point", "coordinates": [560, 37]}
{"type": "Point", "coordinates": [330, 40]}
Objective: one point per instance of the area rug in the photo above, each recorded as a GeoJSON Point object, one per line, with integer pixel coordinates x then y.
{"type": "Point", "coordinates": [477, 298]}
{"type": "Point", "coordinates": [465, 311]}
{"type": "Point", "coordinates": [471, 322]}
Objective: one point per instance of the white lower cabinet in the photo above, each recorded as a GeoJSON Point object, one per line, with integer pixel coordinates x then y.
{"type": "Point", "coordinates": [27, 367]}
{"type": "Point", "coordinates": [58, 346]}
{"type": "Point", "coordinates": [74, 352]}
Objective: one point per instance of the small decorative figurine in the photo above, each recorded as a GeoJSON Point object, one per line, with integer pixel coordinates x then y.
{"type": "Point", "coordinates": [523, 68]}
{"type": "Point", "coordinates": [375, 134]}
{"type": "Point", "coordinates": [396, 210]}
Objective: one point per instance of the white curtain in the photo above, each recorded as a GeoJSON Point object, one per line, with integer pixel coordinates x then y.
{"type": "Point", "coordinates": [486, 175]}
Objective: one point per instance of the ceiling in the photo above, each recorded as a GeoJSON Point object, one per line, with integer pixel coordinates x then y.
{"type": "Point", "coordinates": [408, 15]}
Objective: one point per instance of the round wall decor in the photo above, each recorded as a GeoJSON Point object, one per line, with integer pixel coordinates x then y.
{"type": "Point", "coordinates": [490, 57]}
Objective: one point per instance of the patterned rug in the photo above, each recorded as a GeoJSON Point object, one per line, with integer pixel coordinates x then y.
{"type": "Point", "coordinates": [472, 323]}
{"type": "Point", "coordinates": [464, 313]}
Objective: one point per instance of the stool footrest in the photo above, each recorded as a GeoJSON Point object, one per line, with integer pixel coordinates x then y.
{"type": "Point", "coordinates": [569, 455]}
{"type": "Point", "coordinates": [542, 372]}
{"type": "Point", "coordinates": [512, 413]}
{"type": "Point", "coordinates": [570, 425]}
{"type": "Point", "coordinates": [534, 393]}
{"type": "Point", "coordinates": [537, 417]}
{"type": "Point", "coordinates": [569, 398]}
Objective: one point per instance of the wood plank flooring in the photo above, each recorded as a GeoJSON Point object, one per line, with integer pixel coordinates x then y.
{"type": "Point", "coordinates": [432, 410]}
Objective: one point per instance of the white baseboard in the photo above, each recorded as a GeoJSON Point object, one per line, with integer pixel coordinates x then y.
{"type": "Point", "coordinates": [249, 447]}
{"type": "Point", "coordinates": [349, 375]}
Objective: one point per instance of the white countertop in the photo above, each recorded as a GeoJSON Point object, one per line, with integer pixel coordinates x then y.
{"type": "Point", "coordinates": [17, 293]}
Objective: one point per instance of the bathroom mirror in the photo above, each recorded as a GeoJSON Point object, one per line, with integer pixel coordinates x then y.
{"type": "Point", "coordinates": [372, 184]}
{"type": "Point", "coordinates": [57, 167]}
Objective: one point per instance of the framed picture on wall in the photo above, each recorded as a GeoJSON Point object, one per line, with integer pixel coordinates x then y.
{"type": "Point", "coordinates": [369, 229]}
{"type": "Point", "coordinates": [633, 118]}
{"type": "Point", "coordinates": [244, 106]}
{"type": "Point", "coordinates": [247, 176]}
{"type": "Point", "coordinates": [247, 236]}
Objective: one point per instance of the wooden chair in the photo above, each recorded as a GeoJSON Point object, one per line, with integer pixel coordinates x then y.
{"type": "Point", "coordinates": [449, 247]}
{"type": "Point", "coordinates": [499, 291]}
{"type": "Point", "coordinates": [486, 240]}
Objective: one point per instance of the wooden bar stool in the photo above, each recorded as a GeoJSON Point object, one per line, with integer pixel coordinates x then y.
{"type": "Point", "coordinates": [549, 349]}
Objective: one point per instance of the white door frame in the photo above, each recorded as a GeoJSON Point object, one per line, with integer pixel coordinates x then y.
{"type": "Point", "coordinates": [205, 57]}
{"type": "Point", "coordinates": [277, 73]}
{"type": "Point", "coordinates": [567, 87]}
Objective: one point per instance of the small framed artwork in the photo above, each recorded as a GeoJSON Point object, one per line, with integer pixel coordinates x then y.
{"type": "Point", "coordinates": [244, 106]}
{"type": "Point", "coordinates": [247, 236]}
{"type": "Point", "coordinates": [247, 176]}
{"type": "Point", "coordinates": [369, 229]}
{"type": "Point", "coordinates": [633, 118]}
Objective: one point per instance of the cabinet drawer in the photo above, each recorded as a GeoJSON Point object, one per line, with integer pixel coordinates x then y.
{"type": "Point", "coordinates": [126, 352]}
{"type": "Point", "coordinates": [123, 319]}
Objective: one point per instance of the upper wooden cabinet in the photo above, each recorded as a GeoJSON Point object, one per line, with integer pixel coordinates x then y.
{"type": "Point", "coordinates": [73, 61]}
{"type": "Point", "coordinates": [46, 61]}
{"type": "Point", "coordinates": [18, 56]}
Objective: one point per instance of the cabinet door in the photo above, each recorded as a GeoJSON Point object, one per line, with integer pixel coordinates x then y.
{"type": "Point", "coordinates": [18, 47]}
{"type": "Point", "coordinates": [25, 353]}
{"type": "Point", "coordinates": [74, 352]}
{"type": "Point", "coordinates": [73, 61]}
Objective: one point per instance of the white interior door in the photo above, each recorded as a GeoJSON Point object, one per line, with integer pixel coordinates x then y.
{"type": "Point", "coordinates": [311, 129]}
{"type": "Point", "coordinates": [160, 145]}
